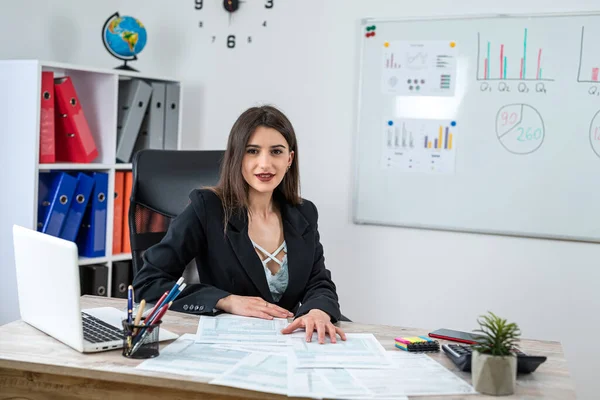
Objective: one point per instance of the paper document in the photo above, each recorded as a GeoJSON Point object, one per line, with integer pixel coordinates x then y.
{"type": "Point", "coordinates": [307, 382]}
{"type": "Point", "coordinates": [416, 375]}
{"type": "Point", "coordinates": [186, 357]}
{"type": "Point", "coordinates": [360, 350]}
{"type": "Point", "coordinates": [234, 329]}
{"type": "Point", "coordinates": [328, 383]}
{"type": "Point", "coordinates": [255, 348]}
{"type": "Point", "coordinates": [258, 371]}
{"type": "Point", "coordinates": [342, 383]}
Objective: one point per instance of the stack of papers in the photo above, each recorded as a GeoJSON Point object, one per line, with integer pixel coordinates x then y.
{"type": "Point", "coordinates": [233, 329]}
{"type": "Point", "coordinates": [251, 353]}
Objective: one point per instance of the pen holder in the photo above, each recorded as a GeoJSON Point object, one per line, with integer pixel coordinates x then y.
{"type": "Point", "coordinates": [140, 341]}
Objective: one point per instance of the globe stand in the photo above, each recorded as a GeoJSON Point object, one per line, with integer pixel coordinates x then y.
{"type": "Point", "coordinates": [126, 67]}
{"type": "Point", "coordinates": [125, 59]}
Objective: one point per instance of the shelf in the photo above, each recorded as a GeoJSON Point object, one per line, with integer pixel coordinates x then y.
{"type": "Point", "coordinates": [75, 166]}
{"type": "Point", "coordinates": [121, 257]}
{"type": "Point", "coordinates": [89, 166]}
{"type": "Point", "coordinates": [99, 91]}
{"type": "Point", "coordinates": [92, 260]}
{"type": "Point", "coordinates": [122, 73]}
{"type": "Point", "coordinates": [98, 260]}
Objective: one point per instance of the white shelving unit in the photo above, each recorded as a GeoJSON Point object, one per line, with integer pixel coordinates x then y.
{"type": "Point", "coordinates": [97, 90]}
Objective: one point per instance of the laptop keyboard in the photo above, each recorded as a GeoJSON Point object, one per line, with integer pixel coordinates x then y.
{"type": "Point", "coordinates": [98, 331]}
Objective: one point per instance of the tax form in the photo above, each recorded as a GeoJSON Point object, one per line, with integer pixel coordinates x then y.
{"type": "Point", "coordinates": [258, 371]}
{"type": "Point", "coordinates": [360, 350]}
{"type": "Point", "coordinates": [343, 384]}
{"type": "Point", "coordinates": [235, 329]}
{"type": "Point", "coordinates": [329, 383]}
{"type": "Point", "coordinates": [265, 348]}
{"type": "Point", "coordinates": [186, 357]}
{"type": "Point", "coordinates": [415, 375]}
{"type": "Point", "coordinates": [307, 382]}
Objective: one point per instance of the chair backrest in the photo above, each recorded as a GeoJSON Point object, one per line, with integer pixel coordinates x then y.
{"type": "Point", "coordinates": [162, 182]}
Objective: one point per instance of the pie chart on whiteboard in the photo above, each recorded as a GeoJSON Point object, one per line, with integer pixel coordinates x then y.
{"type": "Point", "coordinates": [595, 133]}
{"type": "Point", "coordinates": [520, 128]}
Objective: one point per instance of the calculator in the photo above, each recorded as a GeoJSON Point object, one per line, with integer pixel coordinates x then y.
{"type": "Point", "coordinates": [460, 354]}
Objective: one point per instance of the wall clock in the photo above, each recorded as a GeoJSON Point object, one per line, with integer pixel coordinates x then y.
{"type": "Point", "coordinates": [235, 20]}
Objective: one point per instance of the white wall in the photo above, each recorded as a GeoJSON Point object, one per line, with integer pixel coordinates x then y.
{"type": "Point", "coordinates": [304, 62]}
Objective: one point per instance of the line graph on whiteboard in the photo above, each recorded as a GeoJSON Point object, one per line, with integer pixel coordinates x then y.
{"type": "Point", "coordinates": [423, 68]}
{"type": "Point", "coordinates": [417, 60]}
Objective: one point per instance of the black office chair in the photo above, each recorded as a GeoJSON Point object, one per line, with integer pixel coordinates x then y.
{"type": "Point", "coordinates": [162, 182]}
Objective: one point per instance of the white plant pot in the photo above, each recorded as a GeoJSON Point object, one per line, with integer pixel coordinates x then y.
{"type": "Point", "coordinates": [494, 375]}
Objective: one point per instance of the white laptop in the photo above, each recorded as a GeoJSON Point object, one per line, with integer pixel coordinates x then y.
{"type": "Point", "coordinates": [49, 293]}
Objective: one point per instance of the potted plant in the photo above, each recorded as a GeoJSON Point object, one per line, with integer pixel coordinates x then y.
{"type": "Point", "coordinates": [493, 365]}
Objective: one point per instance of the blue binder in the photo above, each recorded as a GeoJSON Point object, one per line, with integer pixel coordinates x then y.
{"type": "Point", "coordinates": [81, 196]}
{"type": "Point", "coordinates": [91, 238]}
{"type": "Point", "coordinates": [57, 202]}
{"type": "Point", "coordinates": [44, 187]}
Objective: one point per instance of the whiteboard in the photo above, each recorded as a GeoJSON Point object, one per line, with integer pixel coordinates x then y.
{"type": "Point", "coordinates": [486, 124]}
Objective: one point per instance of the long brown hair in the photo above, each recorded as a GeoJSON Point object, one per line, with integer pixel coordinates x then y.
{"type": "Point", "coordinates": [232, 188]}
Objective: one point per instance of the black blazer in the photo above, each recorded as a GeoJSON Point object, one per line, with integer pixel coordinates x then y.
{"type": "Point", "coordinates": [228, 264]}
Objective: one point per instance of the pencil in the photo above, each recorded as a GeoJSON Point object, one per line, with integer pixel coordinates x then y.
{"type": "Point", "coordinates": [138, 316]}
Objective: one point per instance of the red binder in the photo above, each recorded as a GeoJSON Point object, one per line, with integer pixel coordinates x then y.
{"type": "Point", "coordinates": [118, 212]}
{"type": "Point", "coordinates": [47, 148]}
{"type": "Point", "coordinates": [74, 140]}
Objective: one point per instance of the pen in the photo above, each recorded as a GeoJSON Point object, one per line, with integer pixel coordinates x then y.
{"type": "Point", "coordinates": [178, 292]}
{"type": "Point", "coordinates": [129, 304]}
{"type": "Point", "coordinates": [169, 297]}
{"type": "Point", "coordinates": [129, 314]}
{"type": "Point", "coordinates": [160, 313]}
{"type": "Point", "coordinates": [173, 291]}
{"type": "Point", "coordinates": [157, 305]}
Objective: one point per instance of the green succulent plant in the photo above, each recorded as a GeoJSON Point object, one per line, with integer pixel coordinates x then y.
{"type": "Point", "coordinates": [498, 336]}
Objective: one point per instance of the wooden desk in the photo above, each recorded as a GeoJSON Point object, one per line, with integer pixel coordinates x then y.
{"type": "Point", "coordinates": [36, 366]}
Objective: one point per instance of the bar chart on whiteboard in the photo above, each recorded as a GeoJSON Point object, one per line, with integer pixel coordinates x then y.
{"type": "Point", "coordinates": [419, 145]}
{"type": "Point", "coordinates": [589, 55]}
{"type": "Point", "coordinates": [515, 55]}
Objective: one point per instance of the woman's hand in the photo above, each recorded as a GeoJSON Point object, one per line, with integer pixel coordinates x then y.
{"type": "Point", "coordinates": [316, 320]}
{"type": "Point", "coordinates": [252, 307]}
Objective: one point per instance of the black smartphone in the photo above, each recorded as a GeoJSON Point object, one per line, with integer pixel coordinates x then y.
{"type": "Point", "coordinates": [455, 336]}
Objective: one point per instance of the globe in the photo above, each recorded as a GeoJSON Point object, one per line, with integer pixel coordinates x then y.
{"type": "Point", "coordinates": [124, 37]}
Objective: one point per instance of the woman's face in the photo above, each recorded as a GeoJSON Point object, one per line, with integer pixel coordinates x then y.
{"type": "Point", "coordinates": [266, 159]}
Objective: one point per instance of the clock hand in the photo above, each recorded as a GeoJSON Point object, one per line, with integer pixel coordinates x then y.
{"type": "Point", "coordinates": [231, 6]}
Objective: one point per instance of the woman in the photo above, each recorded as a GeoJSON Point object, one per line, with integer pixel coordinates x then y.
{"type": "Point", "coordinates": [255, 241]}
